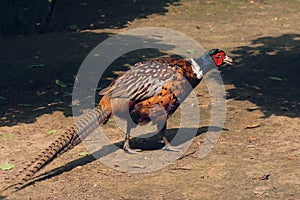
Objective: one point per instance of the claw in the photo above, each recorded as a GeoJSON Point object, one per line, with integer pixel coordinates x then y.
{"type": "Point", "coordinates": [127, 149]}
{"type": "Point", "coordinates": [169, 147]}
{"type": "Point", "coordinates": [132, 151]}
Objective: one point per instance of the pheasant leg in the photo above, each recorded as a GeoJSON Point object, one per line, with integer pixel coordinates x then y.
{"type": "Point", "coordinates": [168, 146]}
{"type": "Point", "coordinates": [126, 146]}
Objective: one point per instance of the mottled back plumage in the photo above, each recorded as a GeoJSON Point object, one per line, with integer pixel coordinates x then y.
{"type": "Point", "coordinates": [142, 81]}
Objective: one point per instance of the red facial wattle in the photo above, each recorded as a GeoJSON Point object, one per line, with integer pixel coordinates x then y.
{"type": "Point", "coordinates": [219, 58]}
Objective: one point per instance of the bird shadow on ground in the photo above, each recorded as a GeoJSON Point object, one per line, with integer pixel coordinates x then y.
{"type": "Point", "coordinates": [267, 74]}
{"type": "Point", "coordinates": [151, 144]}
{"type": "Point", "coordinates": [29, 90]}
{"type": "Point", "coordinates": [25, 17]}
{"type": "Point", "coordinates": [31, 64]}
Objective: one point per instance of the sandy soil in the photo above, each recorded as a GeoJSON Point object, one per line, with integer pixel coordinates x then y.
{"type": "Point", "coordinates": [257, 154]}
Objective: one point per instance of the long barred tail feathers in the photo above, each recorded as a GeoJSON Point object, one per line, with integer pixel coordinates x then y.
{"type": "Point", "coordinates": [69, 139]}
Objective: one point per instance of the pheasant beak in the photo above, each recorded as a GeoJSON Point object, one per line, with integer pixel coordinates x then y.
{"type": "Point", "coordinates": [228, 60]}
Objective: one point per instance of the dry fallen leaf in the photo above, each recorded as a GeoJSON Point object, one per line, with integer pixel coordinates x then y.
{"type": "Point", "coordinates": [252, 126]}
{"type": "Point", "coordinates": [52, 132]}
{"type": "Point", "coordinates": [191, 51]}
{"type": "Point", "coordinates": [84, 153]}
{"type": "Point", "coordinates": [7, 135]}
{"type": "Point", "coordinates": [60, 83]}
{"type": "Point", "coordinates": [181, 168]}
{"type": "Point", "coordinates": [274, 78]}
{"type": "Point", "coordinates": [265, 177]}
{"type": "Point", "coordinates": [6, 166]}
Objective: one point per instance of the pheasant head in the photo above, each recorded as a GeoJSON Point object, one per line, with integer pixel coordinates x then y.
{"type": "Point", "coordinates": [219, 57]}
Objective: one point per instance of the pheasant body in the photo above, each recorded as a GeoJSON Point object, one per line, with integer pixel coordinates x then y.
{"type": "Point", "coordinates": [150, 91]}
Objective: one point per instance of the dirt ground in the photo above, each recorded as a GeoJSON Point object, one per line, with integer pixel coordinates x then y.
{"type": "Point", "coordinates": [257, 154]}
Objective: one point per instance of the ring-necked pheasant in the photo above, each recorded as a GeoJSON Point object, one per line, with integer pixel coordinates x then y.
{"type": "Point", "coordinates": [150, 91]}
